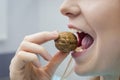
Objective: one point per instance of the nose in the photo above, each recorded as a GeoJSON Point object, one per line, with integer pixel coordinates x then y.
{"type": "Point", "coordinates": [70, 8]}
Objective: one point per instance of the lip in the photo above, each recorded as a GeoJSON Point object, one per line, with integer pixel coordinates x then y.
{"type": "Point", "coordinates": [71, 26]}
{"type": "Point", "coordinates": [78, 54]}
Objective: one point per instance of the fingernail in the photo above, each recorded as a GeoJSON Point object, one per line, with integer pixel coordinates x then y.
{"type": "Point", "coordinates": [55, 34]}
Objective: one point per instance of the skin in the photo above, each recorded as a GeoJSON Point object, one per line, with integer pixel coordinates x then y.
{"type": "Point", "coordinates": [25, 65]}
{"type": "Point", "coordinates": [99, 18]}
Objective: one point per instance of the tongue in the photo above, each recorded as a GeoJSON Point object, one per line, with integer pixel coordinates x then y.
{"type": "Point", "coordinates": [80, 37]}
{"type": "Point", "coordinates": [86, 42]}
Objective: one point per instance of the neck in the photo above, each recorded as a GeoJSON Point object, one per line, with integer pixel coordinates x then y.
{"type": "Point", "coordinates": [113, 77]}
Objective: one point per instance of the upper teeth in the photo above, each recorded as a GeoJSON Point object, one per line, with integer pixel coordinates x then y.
{"type": "Point", "coordinates": [74, 30]}
{"type": "Point", "coordinates": [79, 31]}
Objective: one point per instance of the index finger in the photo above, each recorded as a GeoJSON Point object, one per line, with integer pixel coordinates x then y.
{"type": "Point", "coordinates": [41, 37]}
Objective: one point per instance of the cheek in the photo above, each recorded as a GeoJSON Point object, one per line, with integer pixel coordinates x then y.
{"type": "Point", "coordinates": [108, 53]}
{"type": "Point", "coordinates": [105, 21]}
{"type": "Point", "coordinates": [101, 15]}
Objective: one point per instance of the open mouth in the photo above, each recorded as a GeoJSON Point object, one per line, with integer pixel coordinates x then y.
{"type": "Point", "coordinates": [84, 40]}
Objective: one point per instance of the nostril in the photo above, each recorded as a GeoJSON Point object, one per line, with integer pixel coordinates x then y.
{"type": "Point", "coordinates": [70, 8]}
{"type": "Point", "coordinates": [64, 11]}
{"type": "Point", "coordinates": [69, 14]}
{"type": "Point", "coordinates": [72, 11]}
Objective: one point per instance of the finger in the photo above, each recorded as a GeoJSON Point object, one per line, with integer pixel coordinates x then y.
{"type": "Point", "coordinates": [22, 59]}
{"type": "Point", "coordinates": [41, 37]}
{"type": "Point", "coordinates": [55, 62]}
{"type": "Point", "coordinates": [35, 48]}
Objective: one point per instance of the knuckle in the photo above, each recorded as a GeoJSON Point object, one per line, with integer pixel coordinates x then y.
{"type": "Point", "coordinates": [23, 43]}
{"type": "Point", "coordinates": [27, 56]}
{"type": "Point", "coordinates": [20, 54]}
{"type": "Point", "coordinates": [26, 38]}
{"type": "Point", "coordinates": [35, 57]}
{"type": "Point", "coordinates": [22, 57]}
{"type": "Point", "coordinates": [24, 46]}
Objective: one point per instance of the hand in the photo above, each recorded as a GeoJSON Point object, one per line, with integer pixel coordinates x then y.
{"type": "Point", "coordinates": [25, 65]}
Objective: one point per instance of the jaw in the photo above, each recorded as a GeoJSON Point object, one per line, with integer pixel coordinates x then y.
{"type": "Point", "coordinates": [87, 65]}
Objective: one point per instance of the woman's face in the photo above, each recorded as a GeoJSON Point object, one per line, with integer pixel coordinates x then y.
{"type": "Point", "coordinates": [101, 20]}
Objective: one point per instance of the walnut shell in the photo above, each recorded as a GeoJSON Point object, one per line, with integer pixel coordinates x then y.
{"type": "Point", "coordinates": [66, 42]}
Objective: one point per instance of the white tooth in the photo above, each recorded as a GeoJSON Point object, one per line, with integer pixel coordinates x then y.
{"type": "Point", "coordinates": [79, 31]}
{"type": "Point", "coordinates": [73, 30]}
{"type": "Point", "coordinates": [79, 49]}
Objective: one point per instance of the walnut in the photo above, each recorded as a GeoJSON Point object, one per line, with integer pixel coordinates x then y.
{"type": "Point", "coordinates": [66, 42]}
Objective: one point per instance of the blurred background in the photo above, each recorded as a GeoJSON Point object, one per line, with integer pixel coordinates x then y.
{"type": "Point", "coordinates": [19, 18]}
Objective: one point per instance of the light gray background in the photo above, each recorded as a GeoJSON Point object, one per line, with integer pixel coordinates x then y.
{"type": "Point", "coordinates": [3, 19]}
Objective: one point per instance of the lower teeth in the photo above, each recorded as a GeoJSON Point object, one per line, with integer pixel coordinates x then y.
{"type": "Point", "coordinates": [79, 49]}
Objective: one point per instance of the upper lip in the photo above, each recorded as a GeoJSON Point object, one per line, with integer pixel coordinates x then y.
{"type": "Point", "coordinates": [70, 26]}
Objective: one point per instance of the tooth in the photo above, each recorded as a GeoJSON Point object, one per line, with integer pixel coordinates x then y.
{"type": "Point", "coordinates": [73, 30]}
{"type": "Point", "coordinates": [79, 31]}
{"type": "Point", "coordinates": [79, 49]}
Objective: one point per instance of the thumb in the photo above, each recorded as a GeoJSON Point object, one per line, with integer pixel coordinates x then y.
{"type": "Point", "coordinates": [55, 62]}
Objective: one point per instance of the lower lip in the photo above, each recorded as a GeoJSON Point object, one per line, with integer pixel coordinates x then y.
{"type": "Point", "coordinates": [78, 54]}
